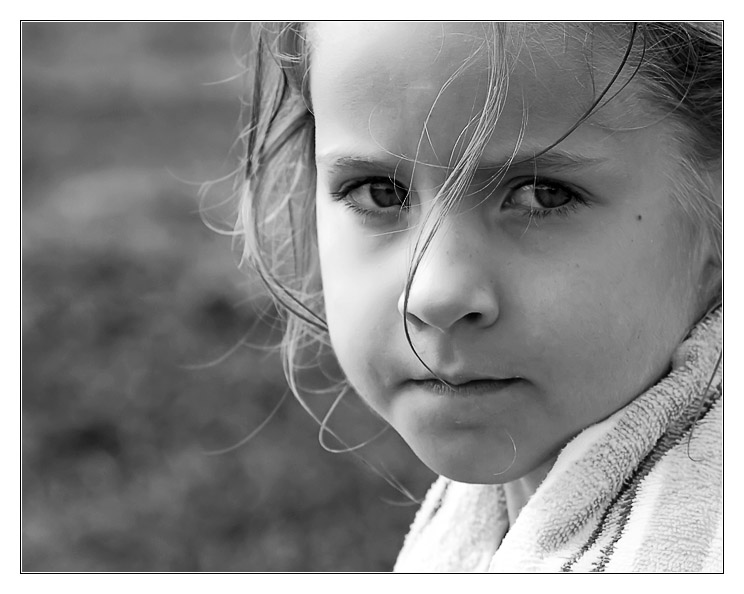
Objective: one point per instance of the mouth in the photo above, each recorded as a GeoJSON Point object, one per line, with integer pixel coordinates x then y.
{"type": "Point", "coordinates": [464, 388]}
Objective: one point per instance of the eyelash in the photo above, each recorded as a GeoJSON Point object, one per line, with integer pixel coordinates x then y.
{"type": "Point", "coordinates": [577, 199]}
{"type": "Point", "coordinates": [342, 196]}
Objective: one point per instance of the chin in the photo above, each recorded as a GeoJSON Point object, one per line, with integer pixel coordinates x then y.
{"type": "Point", "coordinates": [468, 467]}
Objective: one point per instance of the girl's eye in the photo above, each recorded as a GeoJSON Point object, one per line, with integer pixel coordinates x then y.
{"type": "Point", "coordinates": [539, 197]}
{"type": "Point", "coordinates": [375, 195]}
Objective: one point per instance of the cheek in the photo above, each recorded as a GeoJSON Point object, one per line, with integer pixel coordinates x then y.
{"type": "Point", "coordinates": [607, 319]}
{"type": "Point", "coordinates": [361, 283]}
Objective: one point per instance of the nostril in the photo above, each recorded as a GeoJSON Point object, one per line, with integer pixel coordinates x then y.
{"type": "Point", "coordinates": [473, 317]}
{"type": "Point", "coordinates": [413, 320]}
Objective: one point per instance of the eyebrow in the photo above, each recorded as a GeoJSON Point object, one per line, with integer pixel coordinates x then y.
{"type": "Point", "coordinates": [334, 163]}
{"type": "Point", "coordinates": [556, 160]}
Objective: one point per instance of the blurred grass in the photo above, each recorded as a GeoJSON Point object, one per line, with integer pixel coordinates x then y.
{"type": "Point", "coordinates": [125, 292]}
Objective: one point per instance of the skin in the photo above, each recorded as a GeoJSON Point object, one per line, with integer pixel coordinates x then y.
{"type": "Point", "coordinates": [579, 306]}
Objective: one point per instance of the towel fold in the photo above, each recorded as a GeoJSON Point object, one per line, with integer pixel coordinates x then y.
{"type": "Point", "coordinates": [639, 491]}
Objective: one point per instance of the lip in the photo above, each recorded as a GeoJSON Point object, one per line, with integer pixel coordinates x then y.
{"type": "Point", "coordinates": [464, 388]}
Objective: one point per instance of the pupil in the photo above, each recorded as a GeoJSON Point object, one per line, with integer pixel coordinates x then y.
{"type": "Point", "coordinates": [549, 197]}
{"type": "Point", "coordinates": [386, 195]}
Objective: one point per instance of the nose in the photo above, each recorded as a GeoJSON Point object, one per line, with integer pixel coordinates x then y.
{"type": "Point", "coordinates": [453, 285]}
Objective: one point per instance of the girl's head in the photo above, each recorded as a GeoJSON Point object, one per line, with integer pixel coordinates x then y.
{"type": "Point", "coordinates": [504, 230]}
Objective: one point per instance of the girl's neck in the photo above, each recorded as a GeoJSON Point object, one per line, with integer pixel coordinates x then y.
{"type": "Point", "coordinates": [518, 492]}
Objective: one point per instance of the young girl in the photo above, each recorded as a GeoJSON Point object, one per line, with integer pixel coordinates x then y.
{"type": "Point", "coordinates": [510, 235]}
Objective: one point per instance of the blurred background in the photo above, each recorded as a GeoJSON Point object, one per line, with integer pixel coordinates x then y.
{"type": "Point", "coordinates": [145, 351]}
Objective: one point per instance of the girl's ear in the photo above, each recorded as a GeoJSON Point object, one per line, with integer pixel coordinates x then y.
{"type": "Point", "coordinates": [711, 284]}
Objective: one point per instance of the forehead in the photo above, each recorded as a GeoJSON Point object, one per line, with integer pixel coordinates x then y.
{"type": "Point", "coordinates": [422, 55]}
{"type": "Point", "coordinates": [392, 81]}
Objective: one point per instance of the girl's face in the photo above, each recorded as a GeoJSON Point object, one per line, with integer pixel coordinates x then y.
{"type": "Point", "coordinates": [549, 299]}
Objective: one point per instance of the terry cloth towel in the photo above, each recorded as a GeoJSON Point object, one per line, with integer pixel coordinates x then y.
{"type": "Point", "coordinates": [640, 491]}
